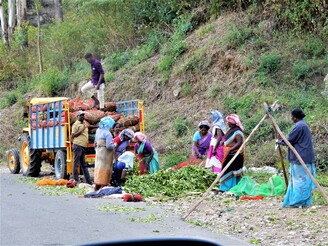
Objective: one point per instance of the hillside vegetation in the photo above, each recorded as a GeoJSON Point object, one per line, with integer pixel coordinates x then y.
{"type": "Point", "coordinates": [182, 58]}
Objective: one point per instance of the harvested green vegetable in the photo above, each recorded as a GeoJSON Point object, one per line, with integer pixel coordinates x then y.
{"type": "Point", "coordinates": [171, 183]}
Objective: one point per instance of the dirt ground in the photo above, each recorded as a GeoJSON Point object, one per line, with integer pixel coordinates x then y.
{"type": "Point", "coordinates": [262, 222]}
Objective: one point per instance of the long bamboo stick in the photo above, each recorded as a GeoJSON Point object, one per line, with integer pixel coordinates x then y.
{"type": "Point", "coordinates": [299, 158]}
{"type": "Point", "coordinates": [225, 168]}
{"type": "Point", "coordinates": [281, 156]}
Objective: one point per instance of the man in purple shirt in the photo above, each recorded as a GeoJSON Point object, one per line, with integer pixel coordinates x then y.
{"type": "Point", "coordinates": [97, 81]}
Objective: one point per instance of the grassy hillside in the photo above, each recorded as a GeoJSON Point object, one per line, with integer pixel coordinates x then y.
{"type": "Point", "coordinates": [184, 60]}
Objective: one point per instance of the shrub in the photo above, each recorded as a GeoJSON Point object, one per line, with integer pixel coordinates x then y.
{"type": "Point", "coordinates": [118, 59]}
{"type": "Point", "coordinates": [235, 36]}
{"type": "Point", "coordinates": [52, 81]}
{"type": "Point", "coordinates": [181, 126]}
{"type": "Point", "coordinates": [315, 48]}
{"type": "Point", "coordinates": [269, 63]}
{"type": "Point", "coordinates": [305, 69]}
{"type": "Point", "coordinates": [9, 99]}
{"type": "Point", "coordinates": [144, 51]}
{"type": "Point", "coordinates": [176, 44]}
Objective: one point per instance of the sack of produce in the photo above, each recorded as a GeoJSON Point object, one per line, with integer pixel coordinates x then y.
{"type": "Point", "coordinates": [129, 121]}
{"type": "Point", "coordinates": [115, 116]}
{"type": "Point", "coordinates": [94, 116]}
{"type": "Point", "coordinates": [110, 107]}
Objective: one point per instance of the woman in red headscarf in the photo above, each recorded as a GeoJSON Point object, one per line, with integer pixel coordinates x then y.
{"type": "Point", "coordinates": [234, 138]}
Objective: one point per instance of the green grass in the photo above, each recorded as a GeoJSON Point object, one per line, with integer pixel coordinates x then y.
{"type": "Point", "coordinates": [150, 218]}
{"type": "Point", "coordinates": [61, 190]}
{"type": "Point", "coordinates": [206, 29]}
{"type": "Point", "coordinates": [115, 208]}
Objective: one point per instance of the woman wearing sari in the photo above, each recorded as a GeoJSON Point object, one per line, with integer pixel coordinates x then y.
{"type": "Point", "coordinates": [233, 140]}
{"type": "Point", "coordinates": [201, 139]}
{"type": "Point", "coordinates": [200, 146]}
{"type": "Point", "coordinates": [121, 142]}
{"type": "Point", "coordinates": [146, 154]}
{"type": "Point", "coordinates": [215, 155]}
{"type": "Point", "coordinates": [300, 185]}
{"type": "Point", "coordinates": [104, 153]}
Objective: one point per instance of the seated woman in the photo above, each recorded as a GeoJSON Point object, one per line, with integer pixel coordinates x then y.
{"type": "Point", "coordinates": [121, 166]}
{"type": "Point", "coordinates": [104, 153]}
{"type": "Point", "coordinates": [201, 144]}
{"type": "Point", "coordinates": [215, 154]}
{"type": "Point", "coordinates": [146, 154]}
{"type": "Point", "coordinates": [201, 139]}
{"type": "Point", "coordinates": [122, 143]}
{"type": "Point", "coordinates": [233, 140]}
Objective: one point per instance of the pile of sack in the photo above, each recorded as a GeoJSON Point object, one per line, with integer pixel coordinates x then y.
{"type": "Point", "coordinates": [93, 115]}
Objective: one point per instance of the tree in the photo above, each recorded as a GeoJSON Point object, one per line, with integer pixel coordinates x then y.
{"type": "Point", "coordinates": [59, 11]}
{"type": "Point", "coordinates": [21, 6]}
{"type": "Point", "coordinates": [4, 28]}
{"type": "Point", "coordinates": [11, 18]}
{"type": "Point", "coordinates": [38, 6]}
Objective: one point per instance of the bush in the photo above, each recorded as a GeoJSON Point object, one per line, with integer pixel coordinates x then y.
{"type": "Point", "coordinates": [235, 36]}
{"type": "Point", "coordinates": [269, 63]}
{"type": "Point", "coordinates": [144, 51]}
{"type": "Point", "coordinates": [118, 59]}
{"type": "Point", "coordinates": [315, 48]}
{"type": "Point", "coordinates": [9, 99]}
{"type": "Point", "coordinates": [305, 69]}
{"type": "Point", "coordinates": [181, 126]}
{"type": "Point", "coordinates": [176, 44]}
{"type": "Point", "coordinates": [52, 81]}
{"type": "Point", "coordinates": [264, 155]}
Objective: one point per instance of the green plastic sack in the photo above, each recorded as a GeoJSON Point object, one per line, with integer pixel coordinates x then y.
{"type": "Point", "coordinates": [249, 187]}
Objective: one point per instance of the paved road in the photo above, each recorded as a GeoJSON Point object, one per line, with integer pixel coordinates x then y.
{"type": "Point", "coordinates": [30, 218]}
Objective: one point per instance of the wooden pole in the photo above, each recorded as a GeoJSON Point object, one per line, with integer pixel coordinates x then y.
{"type": "Point", "coordinates": [299, 158]}
{"type": "Point", "coordinates": [281, 157]}
{"type": "Point", "coordinates": [224, 169]}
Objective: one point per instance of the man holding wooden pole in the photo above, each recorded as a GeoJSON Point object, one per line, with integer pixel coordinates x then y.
{"type": "Point", "coordinates": [299, 192]}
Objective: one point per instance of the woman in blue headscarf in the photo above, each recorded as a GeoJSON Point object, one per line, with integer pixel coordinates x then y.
{"type": "Point", "coordinates": [215, 155]}
{"type": "Point", "coordinates": [104, 153]}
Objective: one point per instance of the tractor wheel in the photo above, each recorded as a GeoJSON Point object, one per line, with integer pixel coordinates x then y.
{"type": "Point", "coordinates": [30, 159]}
{"type": "Point", "coordinates": [13, 161]}
{"type": "Point", "coordinates": [60, 165]}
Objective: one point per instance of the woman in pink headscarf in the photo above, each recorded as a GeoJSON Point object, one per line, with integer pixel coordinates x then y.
{"type": "Point", "coordinates": [234, 138]}
{"type": "Point", "coordinates": [146, 154]}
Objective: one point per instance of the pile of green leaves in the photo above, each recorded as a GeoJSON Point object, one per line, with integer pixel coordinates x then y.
{"type": "Point", "coordinates": [171, 183]}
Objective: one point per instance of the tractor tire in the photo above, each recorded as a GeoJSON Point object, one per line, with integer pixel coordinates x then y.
{"type": "Point", "coordinates": [60, 165]}
{"type": "Point", "coordinates": [30, 159]}
{"type": "Point", "coordinates": [13, 161]}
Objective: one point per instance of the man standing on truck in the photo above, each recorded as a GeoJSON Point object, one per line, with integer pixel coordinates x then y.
{"type": "Point", "coordinates": [97, 81]}
{"type": "Point", "coordinates": [80, 139]}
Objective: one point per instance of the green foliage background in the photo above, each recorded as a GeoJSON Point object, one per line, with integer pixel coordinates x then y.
{"type": "Point", "coordinates": [289, 63]}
